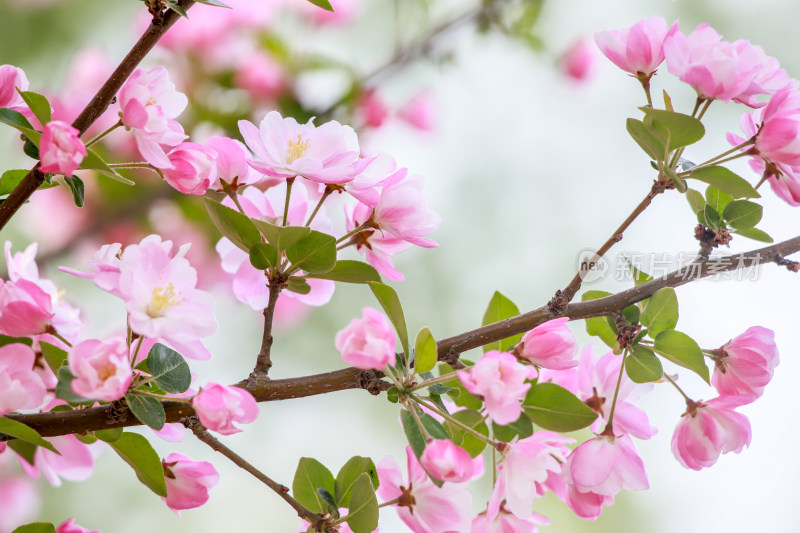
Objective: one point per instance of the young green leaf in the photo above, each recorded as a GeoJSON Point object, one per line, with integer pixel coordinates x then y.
{"type": "Point", "coordinates": [349, 473]}
{"type": "Point", "coordinates": [310, 476]}
{"type": "Point", "coordinates": [38, 104]}
{"type": "Point", "coordinates": [298, 285]}
{"type": "Point", "coordinates": [75, 185]}
{"type": "Point", "coordinates": [169, 369]}
{"type": "Point", "coordinates": [598, 326]}
{"type": "Point", "coordinates": [25, 433]}
{"type": "Point", "coordinates": [717, 198]}
{"type": "Point", "coordinates": [646, 140]}
{"type": "Point", "coordinates": [683, 130]}
{"type": "Point", "coordinates": [500, 308]}
{"type": "Point", "coordinates": [424, 351]}
{"type": "Point", "coordinates": [135, 450]}
{"type": "Point", "coordinates": [349, 271]}
{"type": "Point", "coordinates": [711, 218]}
{"type": "Point", "coordinates": [10, 180]}
{"type": "Point", "coordinates": [473, 420]}
{"type": "Point", "coordinates": [54, 356]}
{"type": "Point", "coordinates": [696, 200]}
{"type": "Point", "coordinates": [682, 350]}
{"type": "Point", "coordinates": [281, 237]}
{"type": "Point", "coordinates": [726, 181]}
{"type": "Point", "coordinates": [324, 4]}
{"type": "Point", "coordinates": [555, 408]}
{"type": "Point", "coordinates": [64, 387]}
{"type": "Point", "coordinates": [521, 428]}
{"type": "Point", "coordinates": [642, 365]}
{"type": "Point", "coordinates": [38, 527]}
{"type": "Point", "coordinates": [263, 256]}
{"type": "Point", "coordinates": [314, 253]}
{"type": "Point", "coordinates": [109, 435]}
{"type": "Point", "coordinates": [238, 228]}
{"type": "Point", "coordinates": [743, 215]}
{"type": "Point", "coordinates": [416, 439]}
{"type": "Point", "coordinates": [390, 303]}
{"type": "Point", "coordinates": [661, 312]}
{"type": "Point", "coordinates": [755, 234]}
{"type": "Point", "coordinates": [93, 161]}
{"type": "Point", "coordinates": [17, 120]}
{"type": "Point", "coordinates": [362, 515]}
{"type": "Point", "coordinates": [147, 410]}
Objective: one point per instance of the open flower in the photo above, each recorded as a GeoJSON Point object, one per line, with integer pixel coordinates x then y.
{"type": "Point", "coordinates": [188, 481]}
{"type": "Point", "coordinates": [639, 49]}
{"type": "Point", "coordinates": [20, 386]}
{"type": "Point", "coordinates": [102, 370]}
{"type": "Point", "coordinates": [447, 462]}
{"type": "Point", "coordinates": [500, 379]}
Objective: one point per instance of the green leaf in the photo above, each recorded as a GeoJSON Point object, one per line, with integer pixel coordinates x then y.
{"type": "Point", "coordinates": [683, 130]}
{"type": "Point", "coordinates": [642, 365]}
{"type": "Point", "coordinates": [327, 497]}
{"type": "Point", "coordinates": [314, 253]}
{"type": "Point", "coordinates": [326, 5]}
{"type": "Point", "coordinates": [213, 3]}
{"type": "Point", "coordinates": [25, 450]}
{"type": "Point", "coordinates": [25, 433]}
{"type": "Point", "coordinates": [348, 271]}
{"type": "Point", "coordinates": [474, 420]}
{"type": "Point", "coordinates": [263, 256]}
{"type": "Point", "coordinates": [310, 476]}
{"type": "Point", "coordinates": [109, 435]}
{"type": "Point", "coordinates": [54, 356]}
{"type": "Point", "coordinates": [717, 198]}
{"type": "Point", "coordinates": [93, 161]}
{"type": "Point", "coordinates": [147, 409]}
{"type": "Point", "coordinates": [433, 427]}
{"type": "Point", "coordinates": [64, 387]}
{"type": "Point", "coordinates": [464, 397]}
{"type": "Point", "coordinates": [669, 172]}
{"type": "Point", "coordinates": [17, 120]}
{"type": "Point", "coordinates": [500, 308]}
{"type": "Point", "coordinates": [238, 228]}
{"type": "Point", "coordinates": [424, 351]}
{"type": "Point", "coordinates": [362, 515]}
{"type": "Point", "coordinates": [743, 215]}
{"type": "Point", "coordinates": [169, 369]}
{"type": "Point", "coordinates": [598, 326]}
{"type": "Point", "coordinates": [349, 473]}
{"type": "Point", "coordinates": [388, 299]}
{"type": "Point", "coordinates": [135, 450]}
{"type": "Point", "coordinates": [10, 180]}
{"type": "Point", "coordinates": [696, 200]}
{"type": "Point", "coordinates": [661, 312]}
{"type": "Point", "coordinates": [75, 185]}
{"type": "Point", "coordinates": [555, 408]}
{"type": "Point", "coordinates": [416, 439]}
{"type": "Point", "coordinates": [38, 527]}
{"type": "Point", "coordinates": [639, 276]}
{"type": "Point", "coordinates": [667, 101]}
{"type": "Point", "coordinates": [712, 218]}
{"type": "Point", "coordinates": [298, 285]}
{"type": "Point", "coordinates": [682, 350]}
{"type": "Point", "coordinates": [38, 104]}
{"type": "Point", "coordinates": [6, 340]}
{"type": "Point", "coordinates": [281, 237]}
{"type": "Point", "coordinates": [755, 234]}
{"type": "Point", "coordinates": [651, 146]}
{"type": "Point", "coordinates": [521, 428]}
{"type": "Point", "coordinates": [176, 8]}
{"type": "Point", "coordinates": [726, 181]}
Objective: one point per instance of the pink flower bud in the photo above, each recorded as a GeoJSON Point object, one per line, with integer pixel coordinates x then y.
{"type": "Point", "coordinates": [606, 465]}
{"type": "Point", "coordinates": [745, 364]}
{"type": "Point", "coordinates": [419, 112]}
{"type": "Point", "coordinates": [447, 462]}
{"type": "Point", "coordinates": [372, 109]}
{"type": "Point", "coordinates": [102, 370]}
{"type": "Point", "coordinates": [708, 429]}
{"type": "Point", "coordinates": [261, 76]}
{"type": "Point", "coordinates": [25, 309]}
{"type": "Point", "coordinates": [637, 50]}
{"type": "Point", "coordinates": [232, 163]}
{"type": "Point", "coordinates": [550, 345]}
{"type": "Point", "coordinates": [579, 60]}
{"type": "Point", "coordinates": [20, 386]}
{"type": "Point", "coordinates": [367, 342]}
{"type": "Point", "coordinates": [71, 527]}
{"type": "Point", "coordinates": [219, 406]}
{"type": "Point", "coordinates": [500, 379]}
{"type": "Point", "coordinates": [61, 150]}
{"type": "Point", "coordinates": [187, 481]}
{"type": "Point", "coordinates": [11, 79]}
{"type": "Point", "coordinates": [193, 169]}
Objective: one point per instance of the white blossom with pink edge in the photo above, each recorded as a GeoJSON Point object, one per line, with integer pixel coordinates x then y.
{"type": "Point", "coordinates": [500, 379]}
{"type": "Point", "coordinates": [325, 154]}
{"type": "Point", "coordinates": [708, 429]}
{"type": "Point", "coordinates": [523, 464]}
{"type": "Point", "coordinates": [424, 507]}
{"type": "Point", "coordinates": [102, 369]}
{"type": "Point", "coordinates": [149, 104]}
{"type": "Point", "coordinates": [188, 481]}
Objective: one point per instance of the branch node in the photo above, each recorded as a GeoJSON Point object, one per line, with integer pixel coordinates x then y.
{"type": "Point", "coordinates": [558, 304]}
{"type": "Point", "coordinates": [792, 266]}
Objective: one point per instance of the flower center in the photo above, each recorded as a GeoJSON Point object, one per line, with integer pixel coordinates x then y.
{"type": "Point", "coordinates": [162, 299]}
{"type": "Point", "coordinates": [106, 371]}
{"type": "Point", "coordinates": [297, 149]}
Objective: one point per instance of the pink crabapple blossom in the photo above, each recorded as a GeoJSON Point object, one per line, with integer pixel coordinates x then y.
{"type": "Point", "coordinates": [579, 61]}
{"type": "Point", "coordinates": [368, 342]}
{"type": "Point", "coordinates": [639, 49]}
{"type": "Point", "coordinates": [424, 507]}
{"type": "Point", "coordinates": [447, 462]}
{"type": "Point", "coordinates": [19, 501]}
{"type": "Point", "coordinates": [232, 162]}
{"type": "Point", "coordinates": [708, 429]}
{"type": "Point", "coordinates": [523, 465]}
{"type": "Point", "coordinates": [419, 112]}
{"type": "Point", "coordinates": [506, 522]}
{"type": "Point", "coordinates": [192, 168]}
{"type": "Point", "coordinates": [60, 148]}
{"type": "Point", "coordinates": [102, 369]}
{"type": "Point", "coordinates": [75, 463]}
{"type": "Point", "coordinates": [188, 481]}
{"type": "Point", "coordinates": [403, 210]}
{"type": "Point", "coordinates": [219, 406]}
{"type": "Point", "coordinates": [12, 79]}
{"type": "Point", "coordinates": [605, 465]}
{"type": "Point", "coordinates": [25, 309]}
{"type": "Point", "coordinates": [149, 104]}
{"type": "Point", "coordinates": [550, 345]}
{"type": "Point", "coordinates": [326, 154]}
{"type": "Point", "coordinates": [745, 364]}
{"type": "Point", "coordinates": [20, 386]}
{"type": "Point", "coordinates": [69, 526]}
{"type": "Point", "coordinates": [377, 246]}
{"type": "Point", "coordinates": [500, 379]}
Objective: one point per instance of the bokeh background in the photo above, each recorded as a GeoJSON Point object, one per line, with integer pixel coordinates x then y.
{"type": "Point", "coordinates": [528, 167]}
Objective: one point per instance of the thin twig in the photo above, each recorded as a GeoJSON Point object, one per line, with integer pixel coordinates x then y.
{"type": "Point", "coordinates": [264, 361]}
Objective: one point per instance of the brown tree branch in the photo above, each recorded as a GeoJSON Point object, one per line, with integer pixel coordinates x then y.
{"type": "Point", "coordinates": [97, 106]}
{"type": "Point", "coordinates": [264, 361]}
{"type": "Point", "coordinates": [108, 416]}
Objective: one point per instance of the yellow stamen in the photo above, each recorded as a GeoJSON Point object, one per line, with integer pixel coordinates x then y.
{"type": "Point", "coordinates": [297, 149]}
{"type": "Point", "coordinates": [163, 298]}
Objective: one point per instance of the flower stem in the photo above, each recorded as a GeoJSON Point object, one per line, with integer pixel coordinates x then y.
{"type": "Point", "coordinates": [685, 397]}
{"type": "Point", "coordinates": [99, 137]}
{"type": "Point", "coordinates": [610, 425]}
{"type": "Point", "coordinates": [433, 381]}
{"type": "Point", "coordinates": [360, 228]}
{"type": "Point", "coordinates": [454, 421]}
{"type": "Point", "coordinates": [289, 183]}
{"type": "Point", "coordinates": [233, 196]}
{"type": "Point", "coordinates": [325, 195]}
